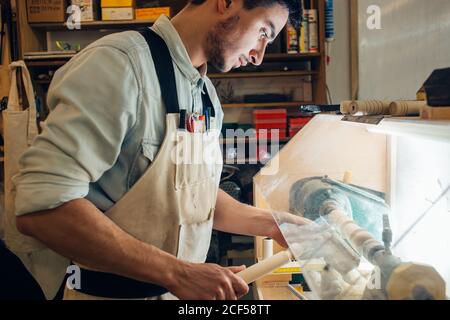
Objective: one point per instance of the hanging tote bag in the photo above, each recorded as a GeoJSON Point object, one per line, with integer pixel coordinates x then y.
{"type": "Point", "coordinates": [20, 129]}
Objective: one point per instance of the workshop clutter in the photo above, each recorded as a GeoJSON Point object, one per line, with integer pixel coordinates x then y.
{"type": "Point", "coordinates": [89, 9]}
{"type": "Point", "coordinates": [44, 11]}
{"type": "Point", "coordinates": [437, 94]}
{"type": "Point", "coordinates": [117, 9]}
{"type": "Point", "coordinates": [147, 10]}
{"type": "Point", "coordinates": [132, 9]}
{"type": "Point", "coordinates": [296, 124]}
{"type": "Point", "coordinates": [380, 107]}
{"type": "Point", "coordinates": [433, 101]}
{"type": "Point", "coordinates": [305, 38]}
{"type": "Point", "coordinates": [269, 123]}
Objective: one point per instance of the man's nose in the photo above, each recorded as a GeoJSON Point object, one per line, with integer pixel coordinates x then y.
{"type": "Point", "coordinates": [257, 56]}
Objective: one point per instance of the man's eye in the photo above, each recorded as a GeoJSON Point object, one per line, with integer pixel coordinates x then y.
{"type": "Point", "coordinates": [264, 34]}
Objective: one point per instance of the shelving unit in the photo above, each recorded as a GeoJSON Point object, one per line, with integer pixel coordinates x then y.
{"type": "Point", "coordinates": [94, 25]}
{"type": "Point", "coordinates": [270, 57]}
{"type": "Point", "coordinates": [261, 74]}
{"type": "Point", "coordinates": [308, 67]}
{"type": "Point", "coordinates": [294, 104]}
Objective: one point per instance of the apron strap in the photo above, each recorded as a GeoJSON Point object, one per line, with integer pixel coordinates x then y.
{"type": "Point", "coordinates": [112, 286]}
{"type": "Point", "coordinates": [164, 69]}
{"type": "Point", "coordinates": [166, 74]}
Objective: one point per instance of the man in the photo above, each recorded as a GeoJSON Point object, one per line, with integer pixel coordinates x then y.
{"type": "Point", "coordinates": [99, 186]}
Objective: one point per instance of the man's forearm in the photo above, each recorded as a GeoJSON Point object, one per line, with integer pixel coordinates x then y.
{"type": "Point", "coordinates": [82, 233]}
{"type": "Point", "coordinates": [235, 217]}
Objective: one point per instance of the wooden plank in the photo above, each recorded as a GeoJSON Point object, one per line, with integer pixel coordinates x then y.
{"type": "Point", "coordinates": [294, 104]}
{"type": "Point", "coordinates": [273, 57]}
{"type": "Point", "coordinates": [319, 86]}
{"type": "Point", "coordinates": [92, 25]}
{"type": "Point", "coordinates": [46, 63]}
{"type": "Point", "coordinates": [5, 60]}
{"type": "Point", "coordinates": [261, 74]}
{"type": "Point", "coordinates": [354, 45]}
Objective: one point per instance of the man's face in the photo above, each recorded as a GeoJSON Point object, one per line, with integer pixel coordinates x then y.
{"type": "Point", "coordinates": [242, 37]}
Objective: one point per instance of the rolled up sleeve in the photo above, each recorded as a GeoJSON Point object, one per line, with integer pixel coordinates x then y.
{"type": "Point", "coordinates": [93, 101]}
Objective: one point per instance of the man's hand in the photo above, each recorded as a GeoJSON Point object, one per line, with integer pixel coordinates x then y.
{"type": "Point", "coordinates": [207, 282]}
{"type": "Point", "coordinates": [284, 217]}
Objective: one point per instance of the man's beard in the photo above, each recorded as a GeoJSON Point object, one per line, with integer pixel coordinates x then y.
{"type": "Point", "coordinates": [218, 41]}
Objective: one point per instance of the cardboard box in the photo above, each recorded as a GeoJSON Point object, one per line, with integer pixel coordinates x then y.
{"type": "Point", "coordinates": [46, 10]}
{"type": "Point", "coordinates": [89, 9]}
{"type": "Point", "coordinates": [117, 14]}
{"type": "Point", "coordinates": [152, 13]}
{"type": "Point", "coordinates": [117, 3]}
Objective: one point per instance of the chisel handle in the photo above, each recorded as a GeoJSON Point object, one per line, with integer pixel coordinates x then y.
{"type": "Point", "coordinates": [266, 266]}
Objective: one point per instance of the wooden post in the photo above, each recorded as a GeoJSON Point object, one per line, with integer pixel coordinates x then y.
{"type": "Point", "coordinates": [320, 85]}
{"type": "Point", "coordinates": [354, 40]}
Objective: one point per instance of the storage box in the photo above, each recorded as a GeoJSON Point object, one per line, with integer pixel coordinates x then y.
{"type": "Point", "coordinates": [152, 13]}
{"type": "Point", "coordinates": [270, 133]}
{"type": "Point", "coordinates": [117, 14]}
{"type": "Point", "coordinates": [270, 119]}
{"type": "Point", "coordinates": [89, 9]}
{"type": "Point", "coordinates": [271, 124]}
{"type": "Point", "coordinates": [270, 114]}
{"type": "Point", "coordinates": [293, 132]}
{"type": "Point", "coordinates": [46, 10]}
{"type": "Point", "coordinates": [298, 123]}
{"type": "Point", "coordinates": [117, 3]}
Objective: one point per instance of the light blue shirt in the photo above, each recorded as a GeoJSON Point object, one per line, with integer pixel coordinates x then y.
{"type": "Point", "coordinates": [107, 121]}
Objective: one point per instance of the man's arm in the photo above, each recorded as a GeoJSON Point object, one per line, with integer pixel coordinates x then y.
{"type": "Point", "coordinates": [235, 217]}
{"type": "Point", "coordinates": [81, 140]}
{"type": "Point", "coordinates": [79, 231]}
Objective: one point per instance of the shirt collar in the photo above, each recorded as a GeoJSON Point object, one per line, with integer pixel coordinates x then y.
{"type": "Point", "coordinates": [167, 31]}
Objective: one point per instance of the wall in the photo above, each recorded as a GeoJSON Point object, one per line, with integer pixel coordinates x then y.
{"type": "Point", "coordinates": [338, 72]}
{"type": "Point", "coordinates": [413, 41]}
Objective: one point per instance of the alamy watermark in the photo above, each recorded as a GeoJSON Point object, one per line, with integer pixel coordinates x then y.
{"type": "Point", "coordinates": [374, 19]}
{"type": "Point", "coordinates": [74, 279]}
{"type": "Point", "coordinates": [237, 147]}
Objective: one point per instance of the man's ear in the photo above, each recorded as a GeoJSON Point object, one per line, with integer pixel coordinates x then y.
{"type": "Point", "coordinates": [223, 5]}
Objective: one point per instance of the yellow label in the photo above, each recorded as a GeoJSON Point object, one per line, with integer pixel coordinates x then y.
{"type": "Point", "coordinates": [117, 14]}
{"type": "Point", "coordinates": [288, 270]}
{"type": "Point", "coordinates": [152, 13]}
{"type": "Point", "coordinates": [116, 3]}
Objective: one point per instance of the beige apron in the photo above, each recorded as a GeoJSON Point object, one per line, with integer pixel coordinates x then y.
{"type": "Point", "coordinates": [172, 205]}
{"type": "Point", "coordinates": [20, 129]}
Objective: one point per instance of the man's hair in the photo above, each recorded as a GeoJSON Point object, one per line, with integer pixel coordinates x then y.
{"type": "Point", "coordinates": [294, 7]}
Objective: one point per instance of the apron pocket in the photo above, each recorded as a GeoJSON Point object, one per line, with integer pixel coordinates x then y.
{"type": "Point", "coordinates": [190, 167]}
{"type": "Point", "coordinates": [143, 159]}
{"type": "Point", "coordinates": [194, 241]}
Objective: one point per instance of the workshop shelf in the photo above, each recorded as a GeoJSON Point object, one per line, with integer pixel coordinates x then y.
{"type": "Point", "coordinates": [262, 74]}
{"type": "Point", "coordinates": [290, 104]}
{"type": "Point", "coordinates": [94, 25]}
{"type": "Point", "coordinates": [281, 57]}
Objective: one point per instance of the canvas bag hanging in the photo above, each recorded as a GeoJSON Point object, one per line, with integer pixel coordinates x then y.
{"type": "Point", "coordinates": [20, 129]}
